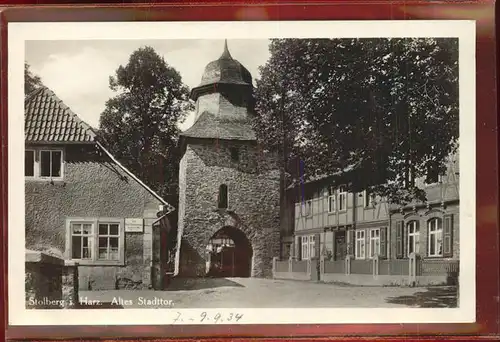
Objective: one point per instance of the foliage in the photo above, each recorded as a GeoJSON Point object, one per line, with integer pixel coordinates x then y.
{"type": "Point", "coordinates": [139, 124]}
{"type": "Point", "coordinates": [31, 81]}
{"type": "Point", "coordinates": [378, 113]}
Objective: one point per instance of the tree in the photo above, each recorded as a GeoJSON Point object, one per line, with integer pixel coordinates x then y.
{"type": "Point", "coordinates": [377, 113]}
{"type": "Point", "coordinates": [139, 124]}
{"type": "Point", "coordinates": [31, 81]}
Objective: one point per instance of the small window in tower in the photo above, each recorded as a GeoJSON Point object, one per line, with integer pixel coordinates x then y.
{"type": "Point", "coordinates": [235, 154]}
{"type": "Point", "coordinates": [222, 197]}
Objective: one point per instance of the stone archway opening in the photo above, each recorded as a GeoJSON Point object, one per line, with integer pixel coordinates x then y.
{"type": "Point", "coordinates": [229, 254]}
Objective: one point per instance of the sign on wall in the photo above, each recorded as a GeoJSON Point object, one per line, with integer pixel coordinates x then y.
{"type": "Point", "coordinates": [134, 225]}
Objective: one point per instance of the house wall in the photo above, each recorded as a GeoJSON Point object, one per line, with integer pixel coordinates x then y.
{"type": "Point", "coordinates": [423, 215]}
{"type": "Point", "coordinates": [442, 199]}
{"type": "Point", "coordinates": [93, 187]}
{"type": "Point", "coordinates": [320, 217]}
{"type": "Point", "coordinates": [355, 216]}
{"type": "Point", "coordinates": [253, 197]}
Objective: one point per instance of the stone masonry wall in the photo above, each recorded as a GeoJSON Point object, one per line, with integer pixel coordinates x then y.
{"type": "Point", "coordinates": [50, 283]}
{"type": "Point", "coordinates": [92, 187]}
{"type": "Point", "coordinates": [253, 203]}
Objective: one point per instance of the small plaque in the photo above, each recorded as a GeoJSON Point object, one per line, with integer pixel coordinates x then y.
{"type": "Point", "coordinates": [135, 225]}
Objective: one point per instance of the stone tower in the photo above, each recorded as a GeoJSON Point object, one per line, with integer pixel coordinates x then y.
{"type": "Point", "coordinates": [229, 187]}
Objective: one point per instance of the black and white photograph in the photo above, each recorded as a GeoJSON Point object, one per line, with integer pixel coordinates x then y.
{"type": "Point", "coordinates": [237, 171]}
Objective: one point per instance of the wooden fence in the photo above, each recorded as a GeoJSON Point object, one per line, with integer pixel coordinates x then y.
{"type": "Point", "coordinates": [413, 271]}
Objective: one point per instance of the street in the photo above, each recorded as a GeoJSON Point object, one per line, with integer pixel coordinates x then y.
{"type": "Point", "coordinates": [269, 293]}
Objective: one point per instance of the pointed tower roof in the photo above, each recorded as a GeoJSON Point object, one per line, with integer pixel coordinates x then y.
{"type": "Point", "coordinates": [48, 119]}
{"type": "Point", "coordinates": [225, 104]}
{"type": "Point", "coordinates": [225, 70]}
{"type": "Point", "coordinates": [225, 53]}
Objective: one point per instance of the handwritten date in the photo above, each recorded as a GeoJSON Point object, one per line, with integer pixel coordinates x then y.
{"type": "Point", "coordinates": [205, 317]}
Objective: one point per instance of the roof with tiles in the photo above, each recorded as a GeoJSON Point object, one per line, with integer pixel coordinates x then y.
{"type": "Point", "coordinates": [209, 126]}
{"type": "Point", "coordinates": [49, 120]}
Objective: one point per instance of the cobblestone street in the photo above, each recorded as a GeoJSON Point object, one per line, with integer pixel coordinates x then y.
{"type": "Point", "coordinates": [269, 293]}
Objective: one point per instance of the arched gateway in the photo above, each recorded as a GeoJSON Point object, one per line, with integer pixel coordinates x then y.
{"type": "Point", "coordinates": [229, 254]}
{"type": "Point", "coordinates": [229, 187]}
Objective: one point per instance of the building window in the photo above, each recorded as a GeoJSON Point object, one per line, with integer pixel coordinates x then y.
{"type": "Point", "coordinates": [331, 200]}
{"type": "Point", "coordinates": [50, 163]}
{"type": "Point", "coordinates": [342, 198]}
{"type": "Point", "coordinates": [29, 163]}
{"type": "Point", "coordinates": [374, 242]}
{"type": "Point", "coordinates": [367, 199]}
{"type": "Point", "coordinates": [222, 200]}
{"type": "Point", "coordinates": [235, 154]}
{"type": "Point", "coordinates": [409, 178]}
{"type": "Point", "coordinates": [360, 244]}
{"type": "Point", "coordinates": [435, 229]}
{"type": "Point", "coordinates": [95, 241]}
{"type": "Point", "coordinates": [81, 241]}
{"type": "Point", "coordinates": [413, 237]}
{"type": "Point", "coordinates": [44, 163]}
{"type": "Point", "coordinates": [308, 247]}
{"type": "Point", "coordinates": [305, 248]}
{"type": "Point", "coordinates": [306, 208]}
{"type": "Point", "coordinates": [109, 237]}
{"type": "Point", "coordinates": [312, 246]}
{"type": "Point", "coordinates": [433, 176]}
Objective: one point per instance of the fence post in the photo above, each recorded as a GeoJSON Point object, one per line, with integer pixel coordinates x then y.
{"type": "Point", "coordinates": [376, 265]}
{"type": "Point", "coordinates": [290, 262]}
{"type": "Point", "coordinates": [348, 264]}
{"type": "Point", "coordinates": [309, 262]}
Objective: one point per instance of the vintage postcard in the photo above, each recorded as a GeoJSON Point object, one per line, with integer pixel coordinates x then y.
{"type": "Point", "coordinates": [227, 172]}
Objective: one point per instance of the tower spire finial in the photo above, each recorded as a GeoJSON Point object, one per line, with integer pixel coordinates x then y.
{"type": "Point", "coordinates": [226, 53]}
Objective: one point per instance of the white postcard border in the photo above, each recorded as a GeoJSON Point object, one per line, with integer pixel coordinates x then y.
{"type": "Point", "coordinates": [18, 33]}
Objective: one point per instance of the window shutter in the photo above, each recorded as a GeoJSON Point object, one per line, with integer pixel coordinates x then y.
{"type": "Point", "coordinates": [383, 242]}
{"type": "Point", "coordinates": [301, 255]}
{"type": "Point", "coordinates": [367, 243]}
{"type": "Point", "coordinates": [399, 240]}
{"type": "Point", "coordinates": [317, 245]}
{"type": "Point", "coordinates": [419, 251]}
{"type": "Point", "coordinates": [448, 236]}
{"type": "Point", "coordinates": [351, 242]}
{"type": "Point", "coordinates": [298, 243]}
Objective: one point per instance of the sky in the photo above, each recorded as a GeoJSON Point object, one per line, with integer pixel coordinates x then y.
{"type": "Point", "coordinates": [78, 71]}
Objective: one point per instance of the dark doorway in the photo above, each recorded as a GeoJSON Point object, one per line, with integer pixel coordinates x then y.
{"type": "Point", "coordinates": [340, 245]}
{"type": "Point", "coordinates": [230, 254]}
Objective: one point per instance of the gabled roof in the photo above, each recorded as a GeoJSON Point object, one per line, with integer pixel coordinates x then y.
{"type": "Point", "coordinates": [169, 209]}
{"type": "Point", "coordinates": [48, 119]}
